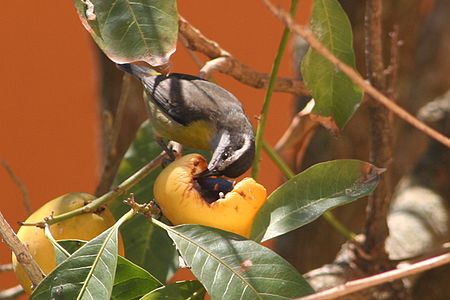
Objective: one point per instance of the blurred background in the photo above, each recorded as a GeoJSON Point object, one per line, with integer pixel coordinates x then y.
{"type": "Point", "coordinates": [59, 91]}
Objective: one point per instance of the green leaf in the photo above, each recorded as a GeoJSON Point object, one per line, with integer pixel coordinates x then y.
{"type": "Point", "coordinates": [334, 93]}
{"type": "Point", "coordinates": [231, 267]}
{"type": "Point", "coordinates": [182, 290]}
{"type": "Point", "coordinates": [309, 194]}
{"type": "Point", "coordinates": [131, 281]}
{"type": "Point", "coordinates": [129, 31]}
{"type": "Point", "coordinates": [69, 246]}
{"type": "Point", "coordinates": [150, 247]}
{"type": "Point", "coordinates": [88, 273]}
{"type": "Point", "coordinates": [141, 151]}
{"type": "Point", "coordinates": [145, 244]}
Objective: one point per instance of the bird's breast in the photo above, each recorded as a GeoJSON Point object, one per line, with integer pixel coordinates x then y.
{"type": "Point", "coordinates": [197, 134]}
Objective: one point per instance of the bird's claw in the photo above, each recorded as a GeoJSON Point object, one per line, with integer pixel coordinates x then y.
{"type": "Point", "coordinates": [169, 151]}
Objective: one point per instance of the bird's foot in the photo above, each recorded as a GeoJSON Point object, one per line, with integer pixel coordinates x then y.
{"type": "Point", "coordinates": [167, 148]}
{"type": "Point", "coordinates": [172, 149]}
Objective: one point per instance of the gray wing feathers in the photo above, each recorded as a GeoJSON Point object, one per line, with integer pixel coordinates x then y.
{"type": "Point", "coordinates": [187, 98]}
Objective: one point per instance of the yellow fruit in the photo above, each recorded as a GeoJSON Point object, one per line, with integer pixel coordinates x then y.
{"type": "Point", "coordinates": [179, 195]}
{"type": "Point", "coordinates": [81, 227]}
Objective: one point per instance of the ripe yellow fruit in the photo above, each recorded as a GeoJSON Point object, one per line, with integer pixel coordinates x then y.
{"type": "Point", "coordinates": [180, 197]}
{"type": "Point", "coordinates": [81, 227]}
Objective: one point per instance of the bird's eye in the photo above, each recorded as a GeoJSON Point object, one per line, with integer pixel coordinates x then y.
{"type": "Point", "coordinates": [227, 153]}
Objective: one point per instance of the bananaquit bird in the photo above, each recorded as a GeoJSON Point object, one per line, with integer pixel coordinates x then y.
{"type": "Point", "coordinates": [199, 114]}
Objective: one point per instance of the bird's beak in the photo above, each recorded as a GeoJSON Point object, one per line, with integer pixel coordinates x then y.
{"type": "Point", "coordinates": [208, 173]}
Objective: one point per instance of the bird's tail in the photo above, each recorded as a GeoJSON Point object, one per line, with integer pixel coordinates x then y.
{"type": "Point", "coordinates": [137, 70]}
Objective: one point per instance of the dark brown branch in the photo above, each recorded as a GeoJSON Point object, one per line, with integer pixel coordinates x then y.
{"type": "Point", "coordinates": [110, 168]}
{"type": "Point", "coordinates": [376, 228]}
{"type": "Point", "coordinates": [134, 113]}
{"type": "Point", "coordinates": [229, 65]}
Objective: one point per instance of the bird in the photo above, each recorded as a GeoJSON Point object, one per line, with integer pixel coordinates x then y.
{"type": "Point", "coordinates": [199, 114]}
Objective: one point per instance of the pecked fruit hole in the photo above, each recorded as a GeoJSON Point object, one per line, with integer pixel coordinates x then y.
{"type": "Point", "coordinates": [184, 198]}
{"type": "Point", "coordinates": [212, 189]}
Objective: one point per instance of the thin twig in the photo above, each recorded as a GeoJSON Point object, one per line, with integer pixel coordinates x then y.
{"type": "Point", "coordinates": [12, 293]}
{"type": "Point", "coordinates": [23, 256]}
{"type": "Point", "coordinates": [293, 133]}
{"type": "Point", "coordinates": [22, 187]}
{"type": "Point", "coordinates": [389, 276]}
{"type": "Point", "coordinates": [120, 190]}
{"type": "Point", "coordinates": [215, 64]}
{"type": "Point", "coordinates": [299, 133]}
{"type": "Point", "coordinates": [307, 34]}
{"type": "Point", "coordinates": [110, 168]}
{"type": "Point", "coordinates": [196, 41]}
{"type": "Point", "coordinates": [262, 120]}
{"type": "Point", "coordinates": [6, 268]}
{"type": "Point", "coordinates": [304, 143]}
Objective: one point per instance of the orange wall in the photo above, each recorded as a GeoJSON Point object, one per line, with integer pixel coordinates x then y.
{"type": "Point", "coordinates": [48, 112]}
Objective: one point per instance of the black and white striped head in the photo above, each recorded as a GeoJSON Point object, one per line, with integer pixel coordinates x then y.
{"type": "Point", "coordinates": [233, 154]}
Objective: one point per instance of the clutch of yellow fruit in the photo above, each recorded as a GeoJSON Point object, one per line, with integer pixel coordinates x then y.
{"type": "Point", "coordinates": [82, 227]}
{"type": "Point", "coordinates": [213, 202]}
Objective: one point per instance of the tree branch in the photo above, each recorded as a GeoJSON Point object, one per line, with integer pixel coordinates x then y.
{"type": "Point", "coordinates": [361, 284]}
{"type": "Point", "coordinates": [299, 133]}
{"type": "Point", "coordinates": [376, 228]}
{"type": "Point", "coordinates": [229, 65]}
{"type": "Point", "coordinates": [23, 256]}
{"type": "Point", "coordinates": [307, 34]}
{"type": "Point", "coordinates": [110, 167]}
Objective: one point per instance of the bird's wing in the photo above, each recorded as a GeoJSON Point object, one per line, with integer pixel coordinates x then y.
{"type": "Point", "coordinates": [187, 98]}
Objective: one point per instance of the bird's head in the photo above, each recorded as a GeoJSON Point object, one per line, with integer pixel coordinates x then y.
{"type": "Point", "coordinates": [233, 154]}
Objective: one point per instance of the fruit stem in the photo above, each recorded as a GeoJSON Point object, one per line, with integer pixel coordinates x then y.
{"type": "Point", "coordinates": [269, 92]}
{"type": "Point", "coordinates": [284, 168]}
{"type": "Point", "coordinates": [160, 224]}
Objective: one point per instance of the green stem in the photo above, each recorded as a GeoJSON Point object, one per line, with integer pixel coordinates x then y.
{"type": "Point", "coordinates": [278, 161]}
{"type": "Point", "coordinates": [120, 190]}
{"type": "Point", "coordinates": [347, 233]}
{"type": "Point", "coordinates": [160, 224]}
{"type": "Point", "coordinates": [290, 174]}
{"type": "Point", "coordinates": [126, 217]}
{"type": "Point", "coordinates": [269, 92]}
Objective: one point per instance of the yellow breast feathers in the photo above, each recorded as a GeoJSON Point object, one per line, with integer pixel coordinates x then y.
{"type": "Point", "coordinates": [197, 134]}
